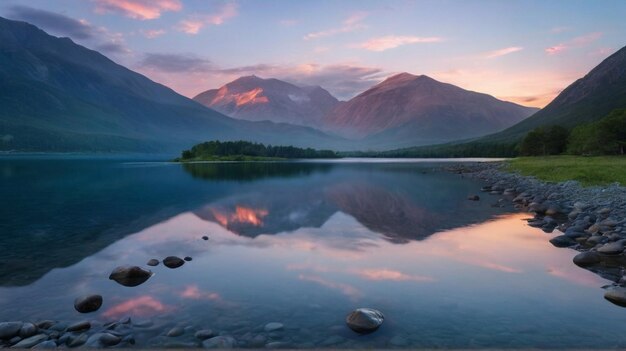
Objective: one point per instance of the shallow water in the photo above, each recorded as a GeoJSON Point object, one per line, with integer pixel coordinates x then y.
{"type": "Point", "coordinates": [297, 243]}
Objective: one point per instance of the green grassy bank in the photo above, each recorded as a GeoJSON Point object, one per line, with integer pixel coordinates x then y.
{"type": "Point", "coordinates": [598, 170]}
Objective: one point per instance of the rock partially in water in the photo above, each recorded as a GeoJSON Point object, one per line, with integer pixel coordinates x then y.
{"type": "Point", "coordinates": [173, 262]}
{"type": "Point", "coordinates": [130, 275]}
{"type": "Point", "coordinates": [9, 329]}
{"type": "Point", "coordinates": [28, 330]}
{"type": "Point", "coordinates": [273, 326]}
{"type": "Point", "coordinates": [205, 238]}
{"type": "Point", "coordinates": [473, 198]}
{"type": "Point", "coordinates": [89, 303]}
{"type": "Point", "coordinates": [102, 339]}
{"type": "Point", "coordinates": [204, 334]}
{"type": "Point", "coordinates": [587, 258]}
{"type": "Point", "coordinates": [30, 342]}
{"type": "Point", "coordinates": [616, 295]}
{"type": "Point", "coordinates": [562, 241]}
{"type": "Point", "coordinates": [364, 320]}
{"type": "Point", "coordinates": [79, 326]}
{"type": "Point", "coordinates": [220, 342]}
{"type": "Point", "coordinates": [153, 262]}
{"type": "Point", "coordinates": [188, 258]}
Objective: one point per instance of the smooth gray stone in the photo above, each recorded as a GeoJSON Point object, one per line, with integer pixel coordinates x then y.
{"type": "Point", "coordinates": [365, 320]}
{"type": "Point", "coordinates": [153, 262]}
{"type": "Point", "coordinates": [79, 326]}
{"type": "Point", "coordinates": [176, 331]}
{"type": "Point", "coordinates": [78, 341]}
{"type": "Point", "coordinates": [173, 262]}
{"type": "Point", "coordinates": [30, 342]}
{"type": "Point", "coordinates": [89, 303]}
{"type": "Point", "coordinates": [46, 345]}
{"type": "Point", "coordinates": [130, 275]}
{"type": "Point", "coordinates": [9, 329]}
{"type": "Point", "coordinates": [614, 248]}
{"type": "Point", "coordinates": [587, 258]}
{"type": "Point", "coordinates": [28, 330]}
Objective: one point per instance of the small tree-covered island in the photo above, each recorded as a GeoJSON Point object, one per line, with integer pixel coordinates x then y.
{"type": "Point", "coordinates": [247, 151]}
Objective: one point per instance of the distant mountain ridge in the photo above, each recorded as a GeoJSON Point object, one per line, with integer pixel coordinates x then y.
{"type": "Point", "coordinates": [418, 110]}
{"type": "Point", "coordinates": [257, 99]}
{"type": "Point", "coordinates": [59, 96]}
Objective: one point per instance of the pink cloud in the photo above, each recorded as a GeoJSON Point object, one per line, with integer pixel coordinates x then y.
{"type": "Point", "coordinates": [577, 42]}
{"type": "Point", "coordinates": [138, 9]}
{"type": "Point", "coordinates": [141, 306]}
{"type": "Point", "coordinates": [195, 23]}
{"type": "Point", "coordinates": [194, 293]}
{"type": "Point", "coordinates": [153, 33]}
{"type": "Point", "coordinates": [388, 274]}
{"type": "Point", "coordinates": [394, 41]}
{"type": "Point", "coordinates": [502, 52]}
{"type": "Point", "coordinates": [345, 289]}
{"type": "Point", "coordinates": [350, 24]}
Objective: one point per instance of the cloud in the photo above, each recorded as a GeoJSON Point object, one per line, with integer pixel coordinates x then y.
{"type": "Point", "coordinates": [190, 74]}
{"type": "Point", "coordinates": [53, 22]}
{"type": "Point", "coordinates": [152, 33]}
{"type": "Point", "coordinates": [577, 42]}
{"type": "Point", "coordinates": [388, 274]}
{"type": "Point", "coordinates": [99, 38]}
{"type": "Point", "coordinates": [350, 24]}
{"type": "Point", "coordinates": [138, 9]}
{"type": "Point", "coordinates": [175, 63]}
{"type": "Point", "coordinates": [502, 52]}
{"type": "Point", "coordinates": [394, 41]}
{"type": "Point", "coordinates": [193, 24]}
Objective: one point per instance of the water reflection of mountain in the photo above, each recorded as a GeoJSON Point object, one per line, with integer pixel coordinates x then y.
{"type": "Point", "coordinates": [400, 205]}
{"type": "Point", "coordinates": [57, 212]}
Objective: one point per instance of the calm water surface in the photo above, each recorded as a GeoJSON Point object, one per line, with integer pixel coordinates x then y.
{"type": "Point", "coordinates": [296, 243]}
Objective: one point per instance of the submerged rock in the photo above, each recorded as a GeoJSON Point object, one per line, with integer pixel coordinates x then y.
{"type": "Point", "coordinates": [30, 342]}
{"type": "Point", "coordinates": [173, 262]}
{"type": "Point", "coordinates": [130, 275]}
{"type": "Point", "coordinates": [28, 330]}
{"type": "Point", "coordinates": [79, 326]}
{"type": "Point", "coordinates": [188, 258]}
{"type": "Point", "coordinates": [89, 303]}
{"type": "Point", "coordinates": [204, 334]}
{"type": "Point", "coordinates": [473, 198]}
{"type": "Point", "coordinates": [153, 262]}
{"type": "Point", "coordinates": [176, 331]}
{"type": "Point", "coordinates": [273, 326]}
{"type": "Point", "coordinates": [364, 320]}
{"type": "Point", "coordinates": [220, 342]}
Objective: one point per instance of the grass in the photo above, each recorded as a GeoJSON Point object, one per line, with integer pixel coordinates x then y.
{"type": "Point", "coordinates": [600, 170]}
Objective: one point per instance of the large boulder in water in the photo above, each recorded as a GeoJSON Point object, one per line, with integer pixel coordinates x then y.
{"type": "Point", "coordinates": [364, 320]}
{"type": "Point", "coordinates": [89, 303]}
{"type": "Point", "coordinates": [130, 275]}
{"type": "Point", "coordinates": [588, 258]}
{"type": "Point", "coordinates": [616, 295]}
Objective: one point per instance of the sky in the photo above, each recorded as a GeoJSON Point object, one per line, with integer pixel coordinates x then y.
{"type": "Point", "coordinates": [521, 51]}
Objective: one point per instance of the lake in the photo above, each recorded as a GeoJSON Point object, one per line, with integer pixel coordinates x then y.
{"type": "Point", "coordinates": [299, 243]}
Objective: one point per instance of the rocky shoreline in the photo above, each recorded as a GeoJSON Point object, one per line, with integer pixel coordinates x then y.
{"type": "Point", "coordinates": [591, 220]}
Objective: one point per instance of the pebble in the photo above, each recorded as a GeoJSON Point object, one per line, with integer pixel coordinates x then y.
{"type": "Point", "coordinates": [77, 341]}
{"type": "Point", "coordinates": [364, 320]}
{"type": "Point", "coordinates": [87, 304]}
{"type": "Point", "coordinates": [205, 238]}
{"type": "Point", "coordinates": [473, 198]}
{"type": "Point", "coordinates": [102, 339]}
{"type": "Point", "coordinates": [173, 262]}
{"type": "Point", "coordinates": [153, 262]}
{"type": "Point", "coordinates": [562, 241]}
{"type": "Point", "coordinates": [46, 345]}
{"type": "Point", "coordinates": [614, 248]}
{"type": "Point", "coordinates": [187, 258]}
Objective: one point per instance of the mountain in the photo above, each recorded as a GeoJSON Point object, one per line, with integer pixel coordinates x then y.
{"type": "Point", "coordinates": [60, 96]}
{"type": "Point", "coordinates": [257, 99]}
{"type": "Point", "coordinates": [418, 110]}
{"type": "Point", "coordinates": [588, 99]}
